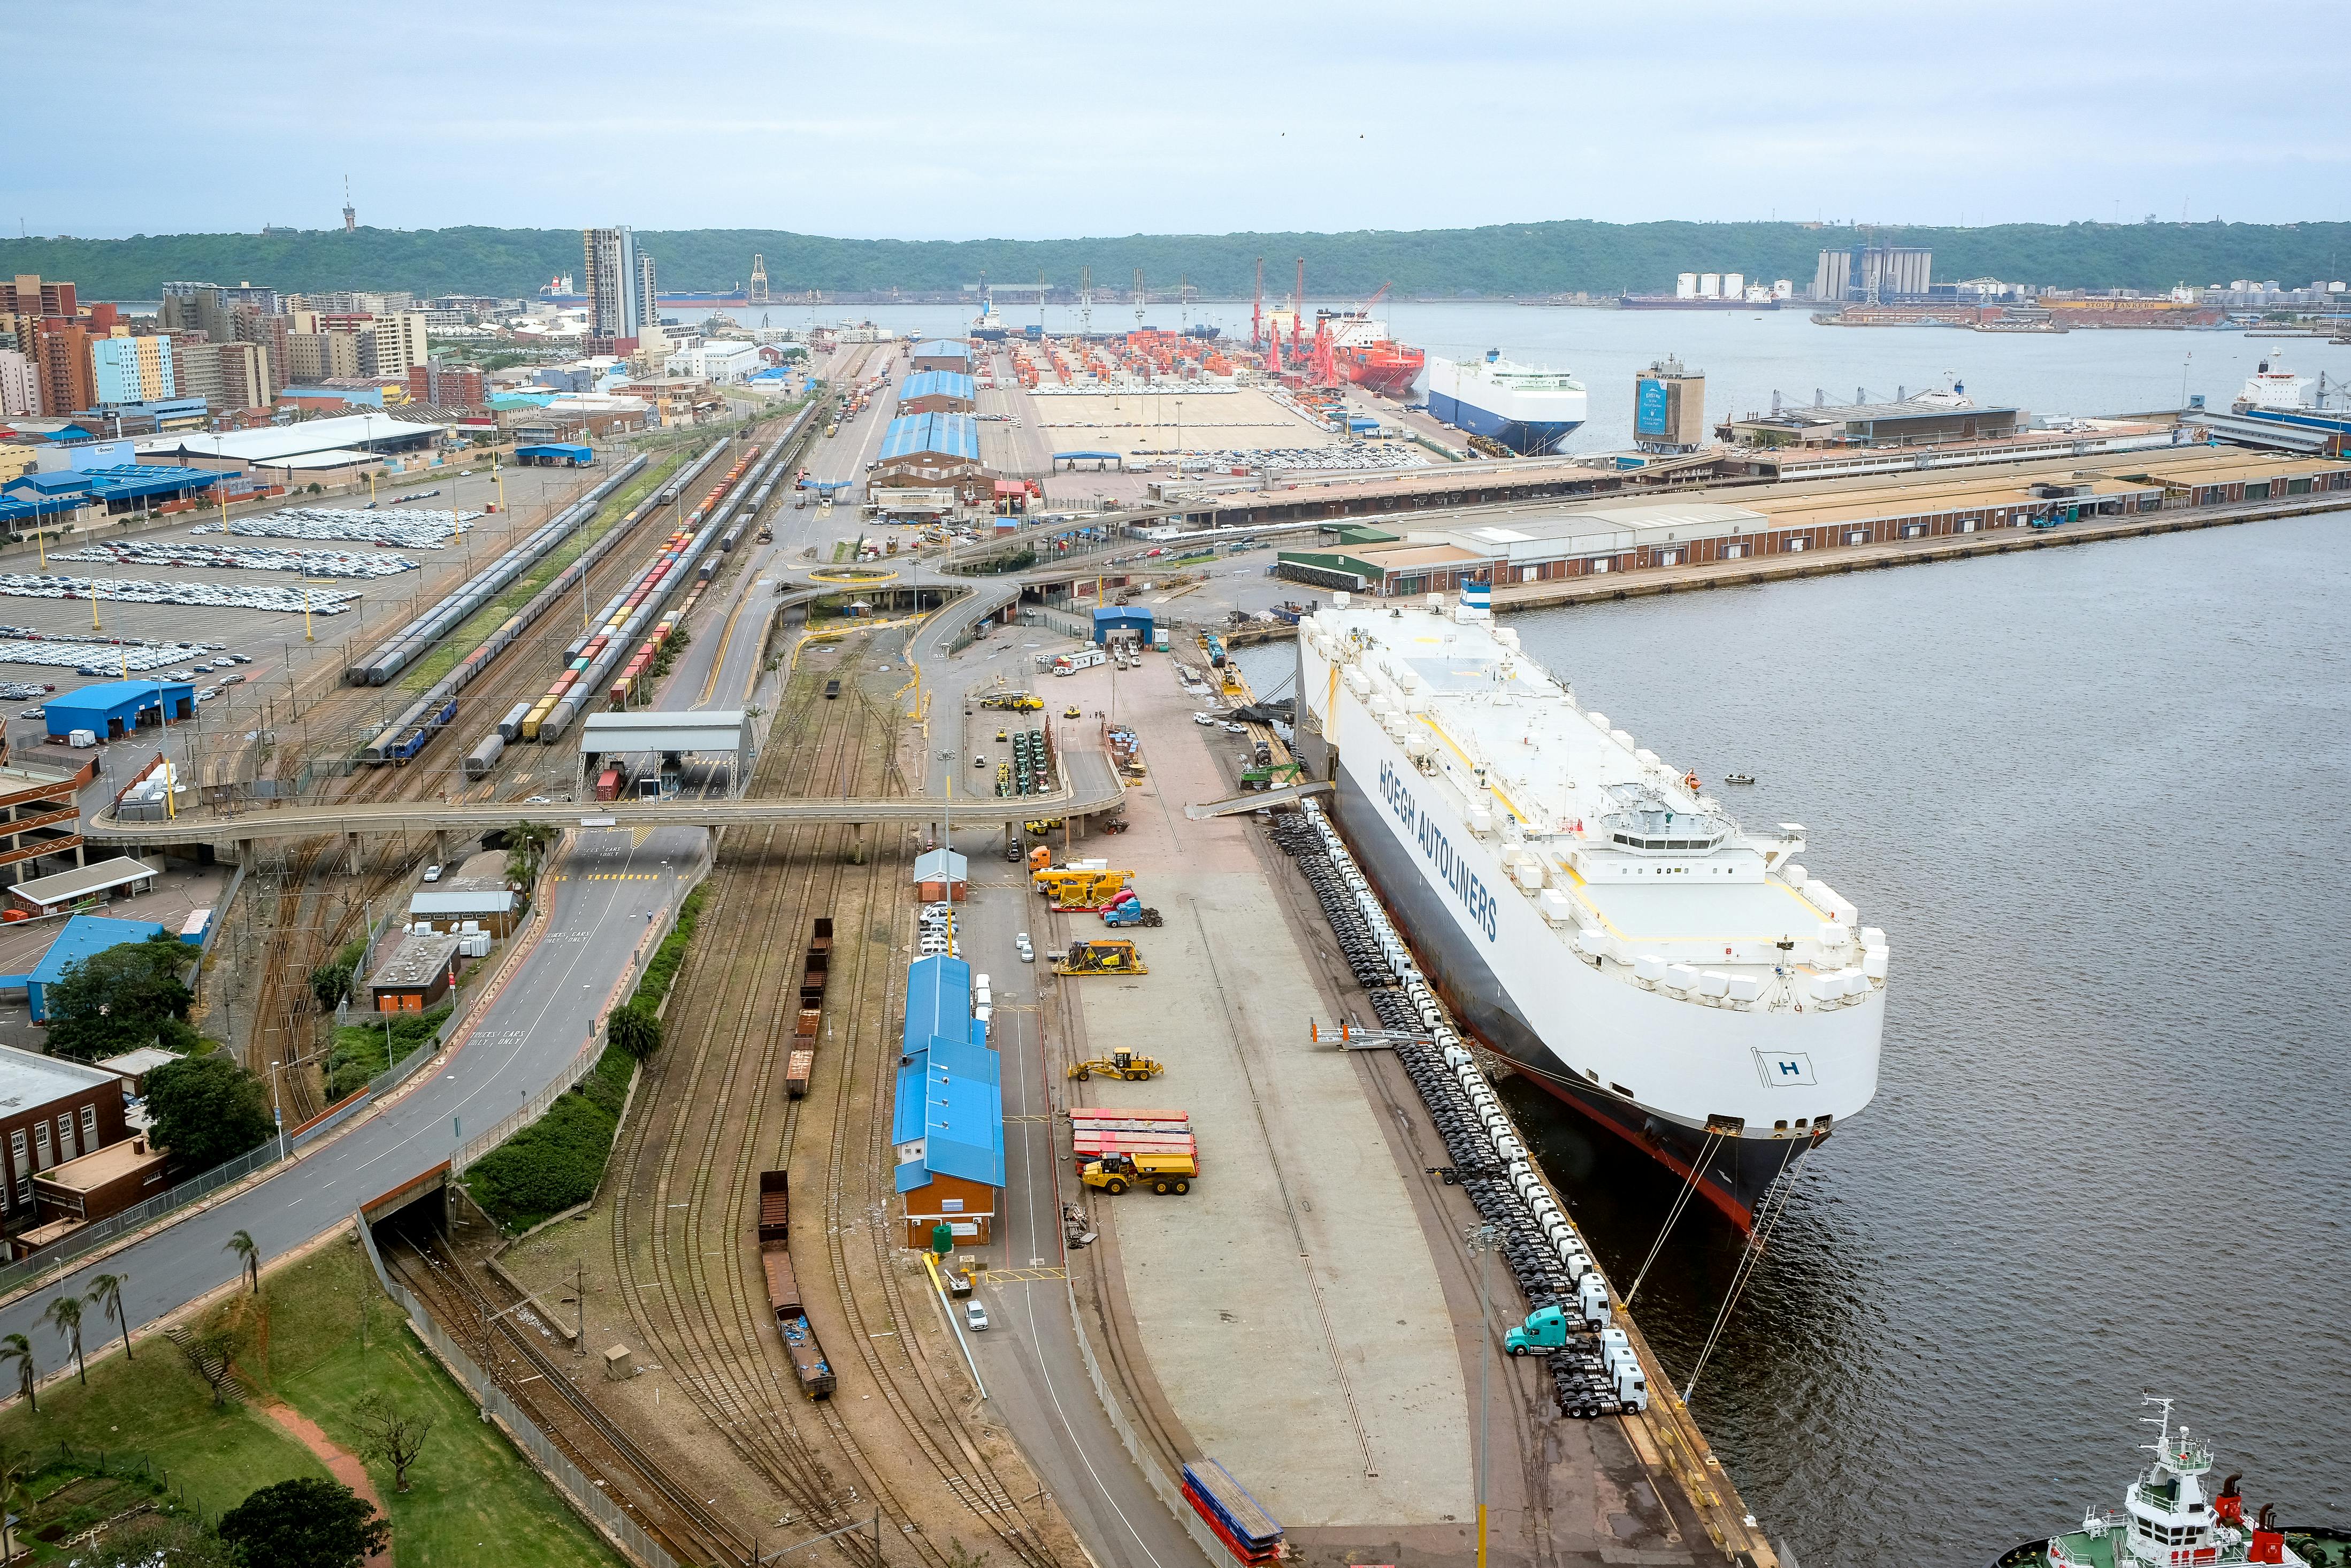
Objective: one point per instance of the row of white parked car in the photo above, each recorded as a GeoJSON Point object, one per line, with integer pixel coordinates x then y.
{"type": "Point", "coordinates": [240, 559]}
{"type": "Point", "coordinates": [415, 530]}
{"type": "Point", "coordinates": [205, 596]}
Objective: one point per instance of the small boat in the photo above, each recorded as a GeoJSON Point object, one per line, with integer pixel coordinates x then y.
{"type": "Point", "coordinates": [2169, 1518]}
{"type": "Point", "coordinates": [1739, 778]}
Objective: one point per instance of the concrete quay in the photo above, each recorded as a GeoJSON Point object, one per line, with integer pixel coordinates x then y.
{"type": "Point", "coordinates": [1308, 1315]}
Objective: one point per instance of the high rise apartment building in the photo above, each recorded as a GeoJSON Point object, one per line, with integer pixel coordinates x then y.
{"type": "Point", "coordinates": [126, 369]}
{"type": "Point", "coordinates": [617, 279]}
{"type": "Point", "coordinates": [20, 389]}
{"type": "Point", "coordinates": [27, 294]}
{"type": "Point", "coordinates": [62, 363]}
{"type": "Point", "coordinates": [393, 345]}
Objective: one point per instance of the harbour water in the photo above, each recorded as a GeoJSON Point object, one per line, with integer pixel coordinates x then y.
{"type": "Point", "coordinates": [2096, 798]}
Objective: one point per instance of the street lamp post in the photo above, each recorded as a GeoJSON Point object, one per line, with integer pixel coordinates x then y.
{"type": "Point", "coordinates": [1485, 1241]}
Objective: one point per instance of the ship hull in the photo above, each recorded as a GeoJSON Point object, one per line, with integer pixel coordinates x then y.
{"type": "Point", "coordinates": [1676, 302]}
{"type": "Point", "coordinates": [1385, 376]}
{"type": "Point", "coordinates": [1528, 438]}
{"type": "Point", "coordinates": [1657, 1069]}
{"type": "Point", "coordinates": [1739, 1171]}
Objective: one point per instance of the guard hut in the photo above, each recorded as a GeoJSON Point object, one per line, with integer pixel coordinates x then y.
{"type": "Point", "coordinates": [1128, 623]}
{"type": "Point", "coordinates": [113, 709]}
{"type": "Point", "coordinates": [941, 875]}
{"type": "Point", "coordinates": [942, 354]}
{"type": "Point", "coordinates": [937, 392]}
{"type": "Point", "coordinates": [682, 742]}
{"type": "Point", "coordinates": [556, 454]}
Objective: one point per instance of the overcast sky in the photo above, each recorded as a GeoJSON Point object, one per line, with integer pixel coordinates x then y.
{"type": "Point", "coordinates": [1023, 119]}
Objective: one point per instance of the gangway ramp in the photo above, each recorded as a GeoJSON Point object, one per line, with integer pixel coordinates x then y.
{"type": "Point", "coordinates": [1288, 795]}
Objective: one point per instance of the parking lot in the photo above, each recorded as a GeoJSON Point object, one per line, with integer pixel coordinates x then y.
{"type": "Point", "coordinates": [157, 636]}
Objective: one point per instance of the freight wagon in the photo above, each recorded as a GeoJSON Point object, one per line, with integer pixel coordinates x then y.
{"type": "Point", "coordinates": [775, 1205]}
{"type": "Point", "coordinates": [484, 757]}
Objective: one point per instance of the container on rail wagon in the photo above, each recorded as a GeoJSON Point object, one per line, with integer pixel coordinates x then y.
{"type": "Point", "coordinates": [608, 785]}
{"type": "Point", "coordinates": [510, 727]}
{"type": "Point", "coordinates": [484, 757]}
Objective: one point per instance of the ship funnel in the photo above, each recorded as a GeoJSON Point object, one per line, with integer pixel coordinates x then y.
{"type": "Point", "coordinates": [1494, 354]}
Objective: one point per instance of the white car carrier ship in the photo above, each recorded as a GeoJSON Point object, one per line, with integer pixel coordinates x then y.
{"type": "Point", "coordinates": [1586, 909]}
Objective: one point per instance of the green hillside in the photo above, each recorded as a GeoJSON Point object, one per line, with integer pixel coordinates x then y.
{"type": "Point", "coordinates": [1508, 259]}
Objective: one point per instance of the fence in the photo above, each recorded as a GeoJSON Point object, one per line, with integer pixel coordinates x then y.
{"type": "Point", "coordinates": [98, 1232]}
{"type": "Point", "coordinates": [1069, 625]}
{"type": "Point", "coordinates": [582, 1494]}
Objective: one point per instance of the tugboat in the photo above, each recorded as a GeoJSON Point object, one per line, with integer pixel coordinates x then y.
{"type": "Point", "coordinates": [2168, 1521]}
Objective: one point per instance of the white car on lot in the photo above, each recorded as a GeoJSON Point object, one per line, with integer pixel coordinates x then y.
{"type": "Point", "coordinates": [1205, 720]}
{"type": "Point", "coordinates": [974, 1316]}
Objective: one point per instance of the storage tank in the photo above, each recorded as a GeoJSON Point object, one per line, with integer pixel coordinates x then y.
{"type": "Point", "coordinates": [1709, 285]}
{"type": "Point", "coordinates": [1734, 285]}
{"type": "Point", "coordinates": [1686, 285]}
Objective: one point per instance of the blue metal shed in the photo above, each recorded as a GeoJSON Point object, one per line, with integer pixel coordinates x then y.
{"type": "Point", "coordinates": [81, 936]}
{"type": "Point", "coordinates": [1113, 620]}
{"type": "Point", "coordinates": [938, 1002]}
{"type": "Point", "coordinates": [952, 385]}
{"type": "Point", "coordinates": [556, 454]}
{"type": "Point", "coordinates": [954, 436]}
{"type": "Point", "coordinates": [112, 709]}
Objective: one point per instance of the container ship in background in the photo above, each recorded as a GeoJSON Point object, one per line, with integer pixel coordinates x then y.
{"type": "Point", "coordinates": [1584, 909]}
{"type": "Point", "coordinates": [1523, 406]}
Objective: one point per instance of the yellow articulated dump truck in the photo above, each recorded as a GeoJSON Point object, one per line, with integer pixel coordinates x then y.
{"type": "Point", "coordinates": [1114, 1173]}
{"type": "Point", "coordinates": [1079, 888]}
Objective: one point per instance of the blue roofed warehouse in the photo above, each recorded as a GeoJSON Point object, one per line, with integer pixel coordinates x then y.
{"type": "Point", "coordinates": [937, 392]}
{"type": "Point", "coordinates": [112, 709]}
{"type": "Point", "coordinates": [946, 1122]}
{"type": "Point", "coordinates": [936, 451]}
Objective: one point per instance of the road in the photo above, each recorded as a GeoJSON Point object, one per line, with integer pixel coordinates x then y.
{"type": "Point", "coordinates": [600, 891]}
{"type": "Point", "coordinates": [1036, 1377]}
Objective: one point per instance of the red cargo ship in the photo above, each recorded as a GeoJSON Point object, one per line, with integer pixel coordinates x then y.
{"type": "Point", "coordinates": [1362, 351]}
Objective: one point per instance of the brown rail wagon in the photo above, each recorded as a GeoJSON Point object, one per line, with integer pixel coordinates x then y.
{"type": "Point", "coordinates": [783, 1288]}
{"type": "Point", "coordinates": [775, 1206]}
{"type": "Point", "coordinates": [797, 1074]}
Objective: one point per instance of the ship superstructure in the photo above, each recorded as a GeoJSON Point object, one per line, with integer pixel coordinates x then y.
{"type": "Point", "coordinates": [1525, 407]}
{"type": "Point", "coordinates": [2171, 1519]}
{"type": "Point", "coordinates": [1585, 908]}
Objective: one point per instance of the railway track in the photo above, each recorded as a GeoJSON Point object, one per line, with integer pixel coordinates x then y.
{"type": "Point", "coordinates": [683, 1176]}
{"type": "Point", "coordinates": [684, 1525]}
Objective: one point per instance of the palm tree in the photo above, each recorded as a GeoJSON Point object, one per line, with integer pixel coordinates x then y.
{"type": "Point", "coordinates": [65, 1313]}
{"type": "Point", "coordinates": [15, 1347]}
{"type": "Point", "coordinates": [248, 1254]}
{"type": "Point", "coordinates": [530, 839]}
{"type": "Point", "coordinates": [106, 1293]}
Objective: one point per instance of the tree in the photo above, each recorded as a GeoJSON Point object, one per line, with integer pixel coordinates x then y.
{"type": "Point", "coordinates": [212, 1357]}
{"type": "Point", "coordinates": [530, 840]}
{"type": "Point", "coordinates": [305, 1522]}
{"type": "Point", "coordinates": [248, 1256]}
{"type": "Point", "coordinates": [329, 982]}
{"type": "Point", "coordinates": [15, 1347]}
{"type": "Point", "coordinates": [64, 1314]}
{"type": "Point", "coordinates": [391, 1435]}
{"type": "Point", "coordinates": [106, 1294]}
{"type": "Point", "coordinates": [206, 1110]}
{"type": "Point", "coordinates": [635, 1028]}
{"type": "Point", "coordinates": [121, 998]}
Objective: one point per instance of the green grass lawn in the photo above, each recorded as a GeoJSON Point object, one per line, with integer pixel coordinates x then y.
{"type": "Point", "coordinates": [472, 1498]}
